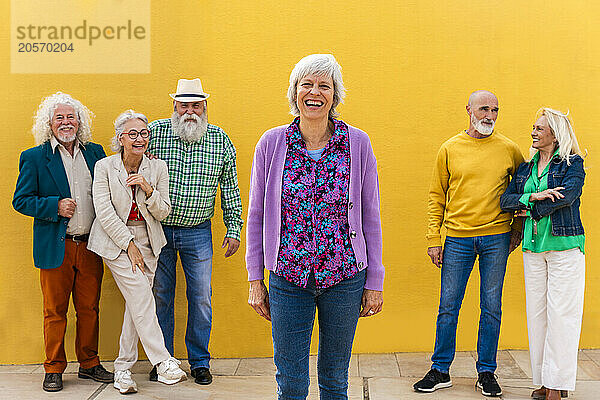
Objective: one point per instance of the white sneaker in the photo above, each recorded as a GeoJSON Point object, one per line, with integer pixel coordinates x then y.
{"type": "Point", "coordinates": [169, 372]}
{"type": "Point", "coordinates": [124, 383]}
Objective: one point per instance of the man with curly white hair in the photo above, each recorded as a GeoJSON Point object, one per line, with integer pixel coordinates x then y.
{"type": "Point", "coordinates": [55, 188]}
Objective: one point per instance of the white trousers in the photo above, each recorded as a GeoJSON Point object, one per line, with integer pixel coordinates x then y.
{"type": "Point", "coordinates": [140, 320]}
{"type": "Point", "coordinates": [554, 286]}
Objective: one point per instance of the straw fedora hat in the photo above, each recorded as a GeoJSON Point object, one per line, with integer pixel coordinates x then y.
{"type": "Point", "coordinates": [189, 91]}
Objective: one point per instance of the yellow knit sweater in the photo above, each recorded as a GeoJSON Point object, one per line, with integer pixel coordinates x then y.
{"type": "Point", "coordinates": [469, 177]}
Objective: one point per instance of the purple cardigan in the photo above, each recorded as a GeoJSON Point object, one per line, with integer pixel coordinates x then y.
{"type": "Point", "coordinates": [264, 211]}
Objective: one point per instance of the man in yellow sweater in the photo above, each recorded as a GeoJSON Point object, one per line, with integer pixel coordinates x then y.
{"type": "Point", "coordinates": [472, 171]}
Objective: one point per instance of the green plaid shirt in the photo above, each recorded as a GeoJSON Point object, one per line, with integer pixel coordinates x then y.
{"type": "Point", "coordinates": [195, 171]}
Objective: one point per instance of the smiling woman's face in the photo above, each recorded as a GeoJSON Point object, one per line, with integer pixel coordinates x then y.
{"type": "Point", "coordinates": [542, 136]}
{"type": "Point", "coordinates": [314, 96]}
{"type": "Point", "coordinates": [138, 145]}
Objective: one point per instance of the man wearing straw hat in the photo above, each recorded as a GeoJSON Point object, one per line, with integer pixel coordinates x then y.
{"type": "Point", "coordinates": [200, 157]}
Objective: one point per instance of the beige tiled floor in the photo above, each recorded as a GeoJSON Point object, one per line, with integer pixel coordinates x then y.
{"type": "Point", "coordinates": [386, 376]}
{"type": "Point", "coordinates": [463, 389]}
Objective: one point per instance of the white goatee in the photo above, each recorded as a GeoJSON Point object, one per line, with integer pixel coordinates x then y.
{"type": "Point", "coordinates": [66, 137]}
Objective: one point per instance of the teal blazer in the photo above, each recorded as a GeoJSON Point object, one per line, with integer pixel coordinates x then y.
{"type": "Point", "coordinates": [42, 182]}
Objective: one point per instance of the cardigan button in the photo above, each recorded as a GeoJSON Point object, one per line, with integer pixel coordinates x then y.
{"type": "Point", "coordinates": [352, 234]}
{"type": "Point", "coordinates": [351, 205]}
{"type": "Point", "coordinates": [360, 265]}
{"type": "Point", "coordinates": [62, 239]}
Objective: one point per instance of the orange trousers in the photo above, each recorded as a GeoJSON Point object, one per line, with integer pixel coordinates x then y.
{"type": "Point", "coordinates": [80, 274]}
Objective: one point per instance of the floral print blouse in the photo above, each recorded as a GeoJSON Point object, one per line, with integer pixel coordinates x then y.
{"type": "Point", "coordinates": [314, 211]}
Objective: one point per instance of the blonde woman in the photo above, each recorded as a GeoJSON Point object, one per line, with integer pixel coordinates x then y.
{"type": "Point", "coordinates": [131, 197]}
{"type": "Point", "coordinates": [547, 191]}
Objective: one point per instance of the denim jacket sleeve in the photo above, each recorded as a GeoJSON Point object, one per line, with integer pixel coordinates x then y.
{"type": "Point", "coordinates": [572, 181]}
{"type": "Point", "coordinates": [509, 201]}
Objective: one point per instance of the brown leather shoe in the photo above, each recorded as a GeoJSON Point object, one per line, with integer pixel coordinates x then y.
{"type": "Point", "coordinates": [552, 394]}
{"type": "Point", "coordinates": [540, 394]}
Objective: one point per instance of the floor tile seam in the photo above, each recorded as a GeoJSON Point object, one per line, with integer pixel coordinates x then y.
{"type": "Point", "coordinates": [237, 367]}
{"type": "Point", "coordinates": [98, 391]}
{"type": "Point", "coordinates": [597, 363]}
{"type": "Point", "coordinates": [523, 373]}
{"type": "Point", "coordinates": [366, 393]}
{"type": "Point", "coordinates": [398, 364]}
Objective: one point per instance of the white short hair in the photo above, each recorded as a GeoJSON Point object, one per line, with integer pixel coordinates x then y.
{"type": "Point", "coordinates": [562, 128]}
{"type": "Point", "coordinates": [42, 132]}
{"type": "Point", "coordinates": [120, 122]}
{"type": "Point", "coordinates": [319, 64]}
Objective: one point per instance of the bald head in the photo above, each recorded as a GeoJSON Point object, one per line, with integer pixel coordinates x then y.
{"type": "Point", "coordinates": [479, 95]}
{"type": "Point", "coordinates": [483, 111]}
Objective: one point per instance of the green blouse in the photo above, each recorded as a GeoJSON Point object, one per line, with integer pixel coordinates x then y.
{"type": "Point", "coordinates": [541, 239]}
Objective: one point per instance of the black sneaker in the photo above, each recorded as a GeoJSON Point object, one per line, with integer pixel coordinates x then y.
{"type": "Point", "coordinates": [488, 384]}
{"type": "Point", "coordinates": [153, 376]}
{"type": "Point", "coordinates": [433, 381]}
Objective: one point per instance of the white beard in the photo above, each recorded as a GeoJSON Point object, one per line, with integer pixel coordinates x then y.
{"type": "Point", "coordinates": [480, 127]}
{"type": "Point", "coordinates": [66, 137]}
{"type": "Point", "coordinates": [190, 131]}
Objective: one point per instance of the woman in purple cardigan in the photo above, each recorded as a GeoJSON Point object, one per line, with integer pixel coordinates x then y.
{"type": "Point", "coordinates": [314, 223]}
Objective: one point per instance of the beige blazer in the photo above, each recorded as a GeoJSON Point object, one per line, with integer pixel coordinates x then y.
{"type": "Point", "coordinates": [112, 201]}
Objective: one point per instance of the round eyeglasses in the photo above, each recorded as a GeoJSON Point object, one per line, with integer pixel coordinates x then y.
{"type": "Point", "coordinates": [133, 134]}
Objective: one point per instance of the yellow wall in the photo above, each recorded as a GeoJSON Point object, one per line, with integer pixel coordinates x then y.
{"type": "Point", "coordinates": [409, 68]}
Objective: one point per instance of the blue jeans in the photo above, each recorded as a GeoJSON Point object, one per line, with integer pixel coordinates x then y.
{"type": "Point", "coordinates": [194, 245]}
{"type": "Point", "coordinates": [293, 316]}
{"type": "Point", "coordinates": [457, 264]}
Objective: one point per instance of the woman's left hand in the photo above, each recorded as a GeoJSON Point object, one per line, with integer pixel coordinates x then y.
{"type": "Point", "coordinates": [137, 179]}
{"type": "Point", "coordinates": [372, 302]}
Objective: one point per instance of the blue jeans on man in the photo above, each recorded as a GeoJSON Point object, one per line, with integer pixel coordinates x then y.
{"type": "Point", "coordinates": [458, 259]}
{"type": "Point", "coordinates": [292, 319]}
{"type": "Point", "coordinates": [194, 245]}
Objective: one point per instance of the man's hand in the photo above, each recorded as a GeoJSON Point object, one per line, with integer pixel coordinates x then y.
{"type": "Point", "coordinates": [515, 239]}
{"type": "Point", "coordinates": [232, 246]}
{"type": "Point", "coordinates": [258, 298]}
{"type": "Point", "coordinates": [436, 253]}
{"type": "Point", "coordinates": [372, 303]}
{"type": "Point", "coordinates": [66, 207]}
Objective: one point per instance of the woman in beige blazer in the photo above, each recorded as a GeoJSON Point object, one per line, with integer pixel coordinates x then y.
{"type": "Point", "coordinates": [131, 197]}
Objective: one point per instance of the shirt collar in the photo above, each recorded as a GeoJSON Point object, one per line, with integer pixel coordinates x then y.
{"type": "Point", "coordinates": [293, 135]}
{"type": "Point", "coordinates": [54, 143]}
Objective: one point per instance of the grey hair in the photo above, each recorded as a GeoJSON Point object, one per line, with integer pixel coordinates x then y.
{"type": "Point", "coordinates": [42, 132]}
{"type": "Point", "coordinates": [120, 127]}
{"type": "Point", "coordinates": [562, 128]}
{"type": "Point", "coordinates": [319, 64]}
